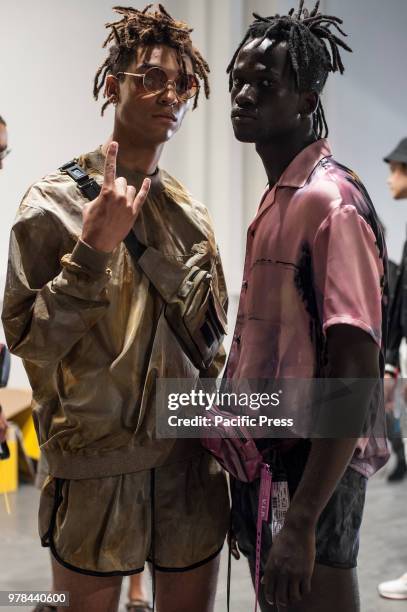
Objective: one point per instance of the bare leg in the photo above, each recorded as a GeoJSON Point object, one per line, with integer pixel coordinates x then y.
{"type": "Point", "coordinates": [186, 591]}
{"type": "Point", "coordinates": [333, 589]}
{"type": "Point", "coordinates": [137, 589]}
{"type": "Point", "coordinates": [90, 593]}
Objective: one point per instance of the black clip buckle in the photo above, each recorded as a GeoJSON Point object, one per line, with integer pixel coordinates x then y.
{"type": "Point", "coordinates": [75, 172]}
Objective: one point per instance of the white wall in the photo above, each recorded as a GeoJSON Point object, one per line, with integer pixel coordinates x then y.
{"type": "Point", "coordinates": [367, 109]}
{"type": "Point", "coordinates": [49, 53]}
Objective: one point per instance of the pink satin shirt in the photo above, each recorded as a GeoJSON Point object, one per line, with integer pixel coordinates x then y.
{"type": "Point", "coordinates": [315, 257]}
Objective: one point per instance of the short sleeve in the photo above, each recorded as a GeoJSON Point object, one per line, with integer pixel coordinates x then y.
{"type": "Point", "coordinates": [348, 272]}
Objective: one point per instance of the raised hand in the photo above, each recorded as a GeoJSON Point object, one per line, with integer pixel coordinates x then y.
{"type": "Point", "coordinates": [109, 218]}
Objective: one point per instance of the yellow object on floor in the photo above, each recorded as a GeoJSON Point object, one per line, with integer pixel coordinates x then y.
{"type": "Point", "coordinates": [25, 422]}
{"type": "Point", "coordinates": [17, 408]}
{"type": "Point", "coordinates": [9, 467]}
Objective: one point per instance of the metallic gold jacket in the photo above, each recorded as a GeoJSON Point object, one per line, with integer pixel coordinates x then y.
{"type": "Point", "coordinates": [90, 327]}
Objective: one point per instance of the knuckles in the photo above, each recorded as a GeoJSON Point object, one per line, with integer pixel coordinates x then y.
{"type": "Point", "coordinates": [110, 195]}
{"type": "Point", "coordinates": [121, 200]}
{"type": "Point", "coordinates": [107, 193]}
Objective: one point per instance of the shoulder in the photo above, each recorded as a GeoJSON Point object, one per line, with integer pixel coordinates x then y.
{"type": "Point", "coordinates": [335, 194]}
{"type": "Point", "coordinates": [332, 186]}
{"type": "Point", "coordinates": [55, 196]}
{"type": "Point", "coordinates": [181, 195]}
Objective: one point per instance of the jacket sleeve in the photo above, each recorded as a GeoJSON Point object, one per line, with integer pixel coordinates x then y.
{"type": "Point", "coordinates": [51, 299]}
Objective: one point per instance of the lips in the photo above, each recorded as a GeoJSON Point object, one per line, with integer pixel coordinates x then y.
{"type": "Point", "coordinates": [165, 116]}
{"type": "Point", "coordinates": [238, 113]}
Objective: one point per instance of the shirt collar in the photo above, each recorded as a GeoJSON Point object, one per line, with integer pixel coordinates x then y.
{"type": "Point", "coordinates": [301, 167]}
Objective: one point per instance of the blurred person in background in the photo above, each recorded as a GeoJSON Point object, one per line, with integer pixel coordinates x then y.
{"type": "Point", "coordinates": [397, 181]}
{"type": "Point", "coordinates": [3, 153]}
{"type": "Point", "coordinates": [4, 150]}
{"type": "Point", "coordinates": [394, 398]}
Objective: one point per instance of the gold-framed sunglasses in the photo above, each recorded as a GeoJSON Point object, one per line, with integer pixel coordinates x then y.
{"type": "Point", "coordinates": [155, 81]}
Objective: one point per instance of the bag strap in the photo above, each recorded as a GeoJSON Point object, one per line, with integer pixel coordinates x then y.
{"type": "Point", "coordinates": [263, 510]}
{"type": "Point", "coordinates": [91, 189]}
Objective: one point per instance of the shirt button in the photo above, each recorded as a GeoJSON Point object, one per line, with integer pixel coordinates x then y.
{"type": "Point", "coordinates": [245, 284]}
{"type": "Point", "coordinates": [237, 339]}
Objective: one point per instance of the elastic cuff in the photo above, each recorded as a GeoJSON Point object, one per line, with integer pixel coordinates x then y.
{"type": "Point", "coordinates": [91, 259]}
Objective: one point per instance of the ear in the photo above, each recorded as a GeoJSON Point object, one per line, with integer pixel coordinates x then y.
{"type": "Point", "coordinates": [112, 87]}
{"type": "Point", "coordinates": [308, 103]}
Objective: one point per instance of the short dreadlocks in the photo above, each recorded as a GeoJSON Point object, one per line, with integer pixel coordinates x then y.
{"type": "Point", "coordinates": [146, 28]}
{"type": "Point", "coordinates": [308, 35]}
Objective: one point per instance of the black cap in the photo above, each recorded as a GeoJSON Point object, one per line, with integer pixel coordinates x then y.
{"type": "Point", "coordinates": [399, 154]}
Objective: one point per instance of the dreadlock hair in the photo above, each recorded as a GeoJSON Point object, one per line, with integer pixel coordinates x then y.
{"type": "Point", "coordinates": [147, 27]}
{"type": "Point", "coordinates": [309, 40]}
{"type": "Point", "coordinates": [2, 122]}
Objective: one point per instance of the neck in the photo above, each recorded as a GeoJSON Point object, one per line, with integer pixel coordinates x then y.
{"type": "Point", "coordinates": [277, 155]}
{"type": "Point", "coordinates": [134, 155]}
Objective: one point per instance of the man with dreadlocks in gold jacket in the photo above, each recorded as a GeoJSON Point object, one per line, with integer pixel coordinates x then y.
{"type": "Point", "coordinates": [91, 331]}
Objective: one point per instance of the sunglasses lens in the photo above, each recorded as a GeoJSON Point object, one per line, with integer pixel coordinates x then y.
{"type": "Point", "coordinates": [187, 85]}
{"type": "Point", "coordinates": [155, 80]}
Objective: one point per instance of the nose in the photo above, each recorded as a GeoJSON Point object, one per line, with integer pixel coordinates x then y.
{"type": "Point", "coordinates": [247, 96]}
{"type": "Point", "coordinates": [169, 95]}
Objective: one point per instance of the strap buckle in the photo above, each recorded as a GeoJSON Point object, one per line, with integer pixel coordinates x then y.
{"type": "Point", "coordinates": [75, 172]}
{"type": "Point", "coordinates": [87, 185]}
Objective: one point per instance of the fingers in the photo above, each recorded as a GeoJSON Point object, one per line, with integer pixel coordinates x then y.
{"type": "Point", "coordinates": [281, 590]}
{"type": "Point", "coordinates": [110, 165]}
{"type": "Point", "coordinates": [141, 196]}
{"type": "Point", "coordinates": [306, 586]}
{"type": "Point", "coordinates": [269, 582]}
{"type": "Point", "coordinates": [234, 549]}
{"type": "Point", "coordinates": [121, 186]}
{"type": "Point", "coordinates": [294, 591]}
{"type": "Point", "coordinates": [235, 552]}
{"type": "Point", "coordinates": [232, 543]}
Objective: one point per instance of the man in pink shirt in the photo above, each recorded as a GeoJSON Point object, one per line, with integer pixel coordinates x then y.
{"type": "Point", "coordinates": [313, 305]}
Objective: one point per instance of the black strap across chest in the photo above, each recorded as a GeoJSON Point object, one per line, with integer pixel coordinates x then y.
{"type": "Point", "coordinates": [91, 189]}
